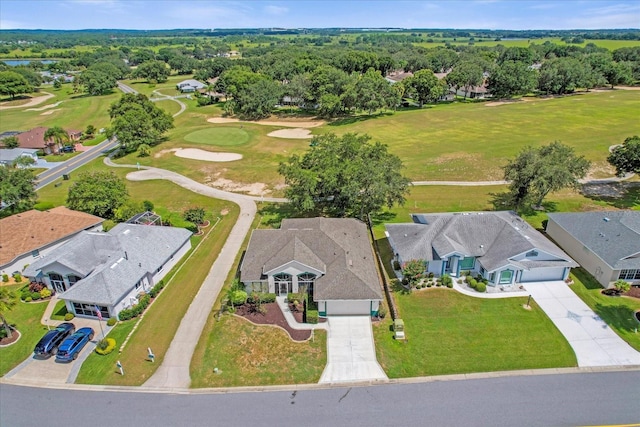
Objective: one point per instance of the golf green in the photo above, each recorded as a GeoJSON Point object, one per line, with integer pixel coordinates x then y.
{"type": "Point", "coordinates": [221, 136]}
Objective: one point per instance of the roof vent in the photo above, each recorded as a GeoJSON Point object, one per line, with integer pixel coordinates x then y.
{"type": "Point", "coordinates": [482, 246]}
{"type": "Point", "coordinates": [605, 219]}
{"type": "Point", "coordinates": [350, 263]}
{"type": "Point", "coordinates": [127, 231]}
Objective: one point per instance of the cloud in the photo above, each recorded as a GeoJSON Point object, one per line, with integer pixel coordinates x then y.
{"type": "Point", "coordinates": [6, 24]}
{"type": "Point", "coordinates": [610, 16]}
{"type": "Point", "coordinates": [276, 10]}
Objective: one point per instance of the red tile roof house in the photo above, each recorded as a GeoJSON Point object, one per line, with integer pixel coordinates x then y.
{"type": "Point", "coordinates": [28, 236]}
{"type": "Point", "coordinates": [34, 138]}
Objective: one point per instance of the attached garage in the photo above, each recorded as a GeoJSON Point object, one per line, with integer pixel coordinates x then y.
{"type": "Point", "coordinates": [543, 274]}
{"type": "Point", "coordinates": [349, 307]}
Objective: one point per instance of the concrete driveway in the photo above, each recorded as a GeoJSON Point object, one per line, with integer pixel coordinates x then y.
{"type": "Point", "coordinates": [351, 354]}
{"type": "Point", "coordinates": [592, 340]}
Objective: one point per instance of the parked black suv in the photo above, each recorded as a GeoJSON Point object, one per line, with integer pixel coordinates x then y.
{"type": "Point", "coordinates": [48, 345]}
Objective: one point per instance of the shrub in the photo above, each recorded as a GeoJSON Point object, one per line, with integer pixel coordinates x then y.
{"type": "Point", "coordinates": [447, 280]}
{"type": "Point", "coordinates": [468, 279]}
{"type": "Point", "coordinates": [413, 271]}
{"type": "Point", "coordinates": [312, 316]}
{"type": "Point", "coordinates": [25, 294]}
{"type": "Point", "coordinates": [382, 311]}
{"type": "Point", "coordinates": [622, 285]}
{"type": "Point", "coordinates": [69, 316]}
{"type": "Point", "coordinates": [267, 298]}
{"type": "Point", "coordinates": [396, 264]}
{"type": "Point", "coordinates": [473, 283]}
{"type": "Point", "coordinates": [5, 277]}
{"type": "Point", "coordinates": [450, 284]}
{"type": "Point", "coordinates": [429, 285]}
{"type": "Point", "coordinates": [35, 296]}
{"type": "Point", "coordinates": [17, 277]}
{"type": "Point", "coordinates": [112, 321]}
{"type": "Point", "coordinates": [459, 281]}
{"type": "Point", "coordinates": [431, 275]}
{"type": "Point", "coordinates": [36, 287]}
{"type": "Point", "coordinates": [28, 299]}
{"type": "Point", "coordinates": [481, 287]}
{"type": "Point", "coordinates": [238, 297]}
{"type": "Point", "coordinates": [106, 346]}
{"type": "Point", "coordinates": [45, 293]}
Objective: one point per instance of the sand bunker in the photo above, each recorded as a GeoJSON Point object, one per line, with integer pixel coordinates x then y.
{"type": "Point", "coordinates": [297, 133]}
{"type": "Point", "coordinates": [291, 124]}
{"type": "Point", "coordinates": [46, 113]}
{"type": "Point", "coordinates": [46, 107]}
{"type": "Point", "coordinates": [34, 101]}
{"type": "Point", "coordinates": [208, 156]}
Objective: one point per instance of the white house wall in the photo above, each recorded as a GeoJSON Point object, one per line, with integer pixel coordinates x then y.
{"type": "Point", "coordinates": [170, 263]}
{"type": "Point", "coordinates": [591, 262]}
{"type": "Point", "coordinates": [293, 268]}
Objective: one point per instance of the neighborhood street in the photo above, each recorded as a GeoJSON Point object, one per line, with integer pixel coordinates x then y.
{"type": "Point", "coordinates": [565, 399]}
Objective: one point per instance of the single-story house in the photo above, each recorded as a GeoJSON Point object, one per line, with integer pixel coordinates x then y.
{"type": "Point", "coordinates": [110, 270]}
{"type": "Point", "coordinates": [34, 138]}
{"type": "Point", "coordinates": [499, 246]}
{"type": "Point", "coordinates": [28, 236]}
{"type": "Point", "coordinates": [330, 258]}
{"type": "Point", "coordinates": [397, 76]}
{"type": "Point", "coordinates": [190, 85]}
{"type": "Point", "coordinates": [10, 155]}
{"type": "Point", "coordinates": [606, 244]}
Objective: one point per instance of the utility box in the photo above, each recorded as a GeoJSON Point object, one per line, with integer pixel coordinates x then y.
{"type": "Point", "coordinates": [398, 329]}
{"type": "Point", "coordinates": [66, 176]}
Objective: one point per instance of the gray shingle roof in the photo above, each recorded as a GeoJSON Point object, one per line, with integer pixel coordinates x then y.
{"type": "Point", "coordinates": [492, 237]}
{"type": "Point", "coordinates": [111, 263]}
{"type": "Point", "coordinates": [339, 247]}
{"type": "Point", "coordinates": [612, 240]}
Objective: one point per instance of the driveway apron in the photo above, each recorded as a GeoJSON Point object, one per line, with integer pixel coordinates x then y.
{"type": "Point", "coordinates": [351, 354]}
{"type": "Point", "coordinates": [592, 340]}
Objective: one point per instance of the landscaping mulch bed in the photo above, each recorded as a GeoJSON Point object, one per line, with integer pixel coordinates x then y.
{"type": "Point", "coordinates": [273, 316]}
{"type": "Point", "coordinates": [14, 337]}
{"type": "Point", "coordinates": [633, 292]}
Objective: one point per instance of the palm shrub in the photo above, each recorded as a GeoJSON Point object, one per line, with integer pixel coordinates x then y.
{"type": "Point", "coordinates": [413, 272]}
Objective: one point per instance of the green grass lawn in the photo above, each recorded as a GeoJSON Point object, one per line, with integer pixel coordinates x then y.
{"type": "Point", "coordinates": [26, 317]}
{"type": "Point", "coordinates": [450, 333]}
{"type": "Point", "coordinates": [170, 106]}
{"type": "Point", "coordinates": [219, 136]}
{"type": "Point", "coordinates": [97, 369]}
{"type": "Point", "coordinates": [617, 312]}
{"type": "Point", "coordinates": [250, 355]}
{"type": "Point", "coordinates": [59, 311]}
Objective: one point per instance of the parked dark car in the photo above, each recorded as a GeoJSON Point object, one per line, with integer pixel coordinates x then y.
{"type": "Point", "coordinates": [48, 344]}
{"type": "Point", "coordinates": [68, 149]}
{"type": "Point", "coordinates": [71, 347]}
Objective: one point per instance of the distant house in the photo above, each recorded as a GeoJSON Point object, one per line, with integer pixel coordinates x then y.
{"type": "Point", "coordinates": [606, 244]}
{"type": "Point", "coordinates": [28, 236]}
{"type": "Point", "coordinates": [397, 76]}
{"type": "Point", "coordinates": [499, 246]}
{"type": "Point", "coordinates": [474, 92]}
{"type": "Point", "coordinates": [330, 258]}
{"type": "Point", "coordinates": [34, 138]}
{"type": "Point", "coordinates": [74, 135]}
{"type": "Point", "coordinates": [190, 85]}
{"type": "Point", "coordinates": [10, 155]}
{"type": "Point", "coordinates": [109, 271]}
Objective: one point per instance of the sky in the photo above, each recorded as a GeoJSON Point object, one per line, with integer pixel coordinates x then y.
{"type": "Point", "coordinates": [208, 14]}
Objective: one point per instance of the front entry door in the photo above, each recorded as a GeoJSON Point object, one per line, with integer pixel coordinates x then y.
{"type": "Point", "coordinates": [59, 286]}
{"type": "Point", "coordinates": [282, 288]}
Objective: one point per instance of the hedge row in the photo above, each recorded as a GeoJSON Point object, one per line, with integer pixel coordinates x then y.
{"type": "Point", "coordinates": [136, 310]}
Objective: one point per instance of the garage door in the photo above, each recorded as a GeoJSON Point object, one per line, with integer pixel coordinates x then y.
{"type": "Point", "coordinates": [542, 274]}
{"type": "Point", "coordinates": [348, 307]}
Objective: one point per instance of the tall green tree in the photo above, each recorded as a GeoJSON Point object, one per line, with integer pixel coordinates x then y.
{"type": "Point", "coordinates": [56, 135]}
{"type": "Point", "coordinates": [96, 81]}
{"type": "Point", "coordinates": [511, 78]}
{"type": "Point", "coordinates": [11, 142]}
{"type": "Point", "coordinates": [17, 189]}
{"type": "Point", "coordinates": [344, 176]}
{"type": "Point", "coordinates": [8, 300]}
{"type": "Point", "coordinates": [536, 172]}
{"type": "Point", "coordinates": [372, 92]}
{"type": "Point", "coordinates": [465, 75]}
{"type": "Point", "coordinates": [135, 120]}
{"type": "Point", "coordinates": [258, 100]}
{"type": "Point", "coordinates": [156, 71]}
{"type": "Point", "coordinates": [626, 157]}
{"type": "Point", "coordinates": [563, 75]}
{"type": "Point", "coordinates": [12, 84]}
{"type": "Point", "coordinates": [425, 87]}
{"type": "Point", "coordinates": [98, 193]}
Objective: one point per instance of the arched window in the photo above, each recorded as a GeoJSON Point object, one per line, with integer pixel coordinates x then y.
{"type": "Point", "coordinates": [305, 282]}
{"type": "Point", "coordinates": [283, 283]}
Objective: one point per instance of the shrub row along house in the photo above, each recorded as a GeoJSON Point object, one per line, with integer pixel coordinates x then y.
{"type": "Point", "coordinates": [330, 258]}
{"type": "Point", "coordinates": [499, 246]}
{"type": "Point", "coordinates": [109, 271]}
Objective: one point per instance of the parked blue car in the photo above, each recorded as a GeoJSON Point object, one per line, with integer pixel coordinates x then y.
{"type": "Point", "coordinates": [72, 346]}
{"type": "Point", "coordinates": [49, 343]}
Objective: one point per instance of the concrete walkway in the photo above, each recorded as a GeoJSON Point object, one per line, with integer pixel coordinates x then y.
{"type": "Point", "coordinates": [284, 307]}
{"type": "Point", "coordinates": [593, 341]}
{"type": "Point", "coordinates": [351, 354]}
{"type": "Point", "coordinates": [174, 370]}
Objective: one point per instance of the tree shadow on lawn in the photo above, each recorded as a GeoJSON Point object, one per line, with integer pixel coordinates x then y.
{"type": "Point", "coordinates": [620, 317]}
{"type": "Point", "coordinates": [622, 195]}
{"type": "Point", "coordinates": [502, 201]}
{"type": "Point", "coordinates": [382, 217]}
{"type": "Point", "coordinates": [357, 119]}
{"type": "Point", "coordinates": [274, 213]}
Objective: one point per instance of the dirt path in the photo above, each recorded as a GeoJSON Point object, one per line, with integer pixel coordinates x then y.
{"type": "Point", "coordinates": [33, 102]}
{"type": "Point", "coordinates": [290, 124]}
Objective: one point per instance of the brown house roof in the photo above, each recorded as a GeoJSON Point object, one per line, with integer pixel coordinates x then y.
{"type": "Point", "coordinates": [25, 232]}
{"type": "Point", "coordinates": [33, 138]}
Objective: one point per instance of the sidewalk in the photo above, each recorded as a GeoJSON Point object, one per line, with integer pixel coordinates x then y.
{"type": "Point", "coordinates": [284, 307]}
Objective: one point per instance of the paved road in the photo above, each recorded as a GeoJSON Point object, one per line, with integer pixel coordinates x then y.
{"type": "Point", "coordinates": [163, 97]}
{"type": "Point", "coordinates": [537, 400]}
{"type": "Point", "coordinates": [81, 159]}
{"type": "Point", "coordinates": [126, 89]}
